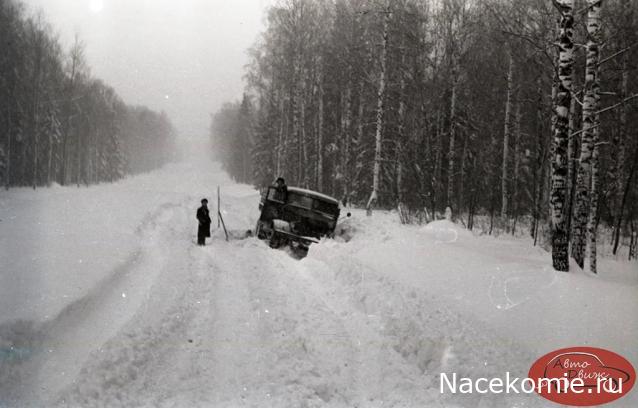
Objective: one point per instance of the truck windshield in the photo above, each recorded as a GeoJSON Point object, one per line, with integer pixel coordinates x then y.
{"type": "Point", "coordinates": [300, 200]}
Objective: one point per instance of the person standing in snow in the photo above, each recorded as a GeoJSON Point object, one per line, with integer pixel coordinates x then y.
{"type": "Point", "coordinates": [203, 217]}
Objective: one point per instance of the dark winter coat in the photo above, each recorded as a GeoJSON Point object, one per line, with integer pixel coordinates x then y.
{"type": "Point", "coordinates": [281, 193]}
{"type": "Point", "coordinates": [204, 222]}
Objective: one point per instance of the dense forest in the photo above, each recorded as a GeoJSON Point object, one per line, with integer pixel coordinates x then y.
{"type": "Point", "coordinates": [490, 107]}
{"type": "Point", "coordinates": [58, 124]}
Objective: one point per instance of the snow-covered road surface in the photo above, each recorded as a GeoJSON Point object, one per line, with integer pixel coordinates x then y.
{"type": "Point", "coordinates": [106, 301]}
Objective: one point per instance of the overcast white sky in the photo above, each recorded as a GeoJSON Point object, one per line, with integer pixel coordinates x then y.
{"type": "Point", "coordinates": [185, 57]}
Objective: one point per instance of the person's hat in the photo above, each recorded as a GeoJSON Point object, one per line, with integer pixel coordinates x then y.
{"type": "Point", "coordinates": [204, 201]}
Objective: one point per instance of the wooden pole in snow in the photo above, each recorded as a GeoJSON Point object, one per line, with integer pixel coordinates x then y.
{"type": "Point", "coordinates": [219, 209]}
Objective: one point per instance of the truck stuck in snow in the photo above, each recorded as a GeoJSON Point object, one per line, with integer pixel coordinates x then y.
{"type": "Point", "coordinates": [296, 218]}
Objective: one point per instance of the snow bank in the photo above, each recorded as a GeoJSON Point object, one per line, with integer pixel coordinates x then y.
{"type": "Point", "coordinates": [477, 305]}
{"type": "Point", "coordinates": [445, 232]}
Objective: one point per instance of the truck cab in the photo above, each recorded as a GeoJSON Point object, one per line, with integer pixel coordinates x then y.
{"type": "Point", "coordinates": [296, 217]}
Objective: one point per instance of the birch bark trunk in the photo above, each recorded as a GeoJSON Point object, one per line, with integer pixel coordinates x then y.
{"type": "Point", "coordinates": [358, 165]}
{"type": "Point", "coordinates": [380, 108]}
{"type": "Point", "coordinates": [592, 223]}
{"type": "Point", "coordinates": [50, 152]}
{"type": "Point", "coordinates": [570, 165]}
{"type": "Point", "coordinates": [303, 176]}
{"type": "Point", "coordinates": [517, 164]}
{"type": "Point", "coordinates": [345, 152]}
{"type": "Point", "coordinates": [590, 106]}
{"type": "Point", "coordinates": [438, 163]}
{"type": "Point", "coordinates": [506, 140]}
{"type": "Point", "coordinates": [539, 168]}
{"type": "Point", "coordinates": [450, 171]}
{"type": "Point", "coordinates": [320, 136]}
{"type": "Point", "coordinates": [460, 196]}
{"type": "Point", "coordinates": [280, 136]}
{"type": "Point", "coordinates": [560, 243]}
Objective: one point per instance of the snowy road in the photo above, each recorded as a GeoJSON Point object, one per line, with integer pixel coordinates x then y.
{"type": "Point", "coordinates": [369, 321]}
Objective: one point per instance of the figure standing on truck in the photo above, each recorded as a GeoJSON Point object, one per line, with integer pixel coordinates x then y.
{"type": "Point", "coordinates": [301, 218]}
{"type": "Point", "coordinates": [203, 231]}
{"type": "Point", "coordinates": [282, 189]}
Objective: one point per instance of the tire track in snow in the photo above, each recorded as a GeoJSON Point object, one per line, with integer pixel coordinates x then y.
{"type": "Point", "coordinates": [419, 329]}
{"type": "Point", "coordinates": [58, 347]}
{"type": "Point", "coordinates": [384, 377]}
{"type": "Point", "coordinates": [157, 355]}
{"type": "Point", "coordinates": [170, 353]}
{"type": "Point", "coordinates": [327, 350]}
{"type": "Point", "coordinates": [306, 357]}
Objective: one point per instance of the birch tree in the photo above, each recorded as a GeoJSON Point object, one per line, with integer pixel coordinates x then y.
{"type": "Point", "coordinates": [376, 173]}
{"type": "Point", "coordinates": [583, 193]}
{"type": "Point", "coordinates": [560, 243]}
{"type": "Point", "coordinates": [506, 140]}
{"type": "Point", "coordinates": [319, 132]}
{"type": "Point", "coordinates": [452, 132]}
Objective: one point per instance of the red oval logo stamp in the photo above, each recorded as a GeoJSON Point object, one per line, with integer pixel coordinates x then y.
{"type": "Point", "coordinates": [582, 376]}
